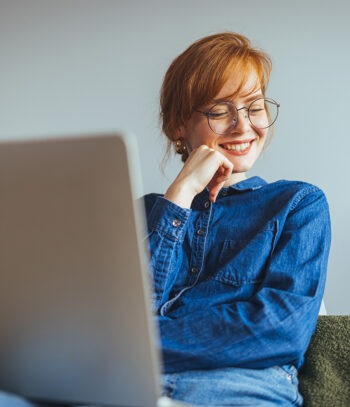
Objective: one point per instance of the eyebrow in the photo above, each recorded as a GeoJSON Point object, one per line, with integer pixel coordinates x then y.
{"type": "Point", "coordinates": [247, 99]}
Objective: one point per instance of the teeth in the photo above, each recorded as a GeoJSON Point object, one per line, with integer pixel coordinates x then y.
{"type": "Point", "coordinates": [236, 147]}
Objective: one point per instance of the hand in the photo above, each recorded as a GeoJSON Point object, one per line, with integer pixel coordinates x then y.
{"type": "Point", "coordinates": [204, 167]}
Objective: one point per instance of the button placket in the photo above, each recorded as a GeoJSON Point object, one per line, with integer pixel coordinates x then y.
{"type": "Point", "coordinates": [198, 247]}
{"type": "Point", "coordinates": [166, 307]}
{"type": "Point", "coordinates": [176, 223]}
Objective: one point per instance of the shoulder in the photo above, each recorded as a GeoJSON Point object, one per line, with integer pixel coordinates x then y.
{"type": "Point", "coordinates": [292, 193]}
{"type": "Point", "coordinates": [292, 186]}
{"type": "Point", "coordinates": [149, 200]}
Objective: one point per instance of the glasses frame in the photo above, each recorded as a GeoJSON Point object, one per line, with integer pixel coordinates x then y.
{"type": "Point", "coordinates": [207, 114]}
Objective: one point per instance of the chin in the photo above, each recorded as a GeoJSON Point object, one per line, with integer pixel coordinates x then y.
{"type": "Point", "coordinates": [241, 167]}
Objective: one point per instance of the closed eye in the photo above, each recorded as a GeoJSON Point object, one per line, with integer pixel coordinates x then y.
{"type": "Point", "coordinates": [217, 114]}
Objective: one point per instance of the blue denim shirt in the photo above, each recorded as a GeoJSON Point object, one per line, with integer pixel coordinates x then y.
{"type": "Point", "coordinates": [239, 282]}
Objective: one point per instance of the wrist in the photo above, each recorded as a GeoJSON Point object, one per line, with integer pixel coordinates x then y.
{"type": "Point", "coordinates": [180, 195]}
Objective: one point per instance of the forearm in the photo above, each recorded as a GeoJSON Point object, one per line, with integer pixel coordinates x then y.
{"type": "Point", "coordinates": [240, 334]}
{"type": "Point", "coordinates": [167, 224]}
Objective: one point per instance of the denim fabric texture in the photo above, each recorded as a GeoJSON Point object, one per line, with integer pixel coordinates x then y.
{"type": "Point", "coordinates": [272, 386]}
{"type": "Point", "coordinates": [238, 282]}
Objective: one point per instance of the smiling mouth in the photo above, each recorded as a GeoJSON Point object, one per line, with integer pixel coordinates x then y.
{"type": "Point", "coordinates": [238, 148]}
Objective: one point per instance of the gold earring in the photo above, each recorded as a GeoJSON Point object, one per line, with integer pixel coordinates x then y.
{"type": "Point", "coordinates": [180, 146]}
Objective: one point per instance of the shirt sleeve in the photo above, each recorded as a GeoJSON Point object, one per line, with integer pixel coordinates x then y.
{"type": "Point", "coordinates": [167, 224]}
{"type": "Point", "coordinates": [276, 324]}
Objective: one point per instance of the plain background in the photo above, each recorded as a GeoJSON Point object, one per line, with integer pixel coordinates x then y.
{"type": "Point", "coordinates": [74, 66]}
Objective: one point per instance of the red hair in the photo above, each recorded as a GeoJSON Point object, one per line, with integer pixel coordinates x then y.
{"type": "Point", "coordinates": [197, 75]}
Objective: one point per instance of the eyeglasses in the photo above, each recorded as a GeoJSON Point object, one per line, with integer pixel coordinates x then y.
{"type": "Point", "coordinates": [223, 117]}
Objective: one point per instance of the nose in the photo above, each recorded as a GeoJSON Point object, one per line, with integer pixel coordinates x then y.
{"type": "Point", "coordinates": [242, 123]}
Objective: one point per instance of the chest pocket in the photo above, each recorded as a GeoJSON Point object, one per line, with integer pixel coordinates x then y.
{"type": "Point", "coordinates": [243, 261]}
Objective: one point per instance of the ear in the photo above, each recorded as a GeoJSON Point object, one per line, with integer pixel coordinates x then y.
{"type": "Point", "coordinates": [180, 132]}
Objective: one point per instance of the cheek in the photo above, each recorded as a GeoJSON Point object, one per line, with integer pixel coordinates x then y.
{"type": "Point", "coordinates": [262, 134]}
{"type": "Point", "coordinates": [198, 133]}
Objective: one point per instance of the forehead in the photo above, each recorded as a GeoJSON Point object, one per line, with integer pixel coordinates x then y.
{"type": "Point", "coordinates": [233, 88]}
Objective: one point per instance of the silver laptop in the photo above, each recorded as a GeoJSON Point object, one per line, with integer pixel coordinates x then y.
{"type": "Point", "coordinates": [75, 287]}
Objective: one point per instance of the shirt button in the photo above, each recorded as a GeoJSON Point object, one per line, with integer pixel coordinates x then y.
{"type": "Point", "coordinates": [207, 204]}
{"type": "Point", "coordinates": [176, 223]}
{"type": "Point", "coordinates": [289, 376]}
{"type": "Point", "coordinates": [200, 232]}
{"type": "Point", "coordinates": [224, 192]}
{"type": "Point", "coordinates": [194, 270]}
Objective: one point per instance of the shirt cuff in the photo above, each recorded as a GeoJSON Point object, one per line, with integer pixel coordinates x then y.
{"type": "Point", "coordinates": [168, 218]}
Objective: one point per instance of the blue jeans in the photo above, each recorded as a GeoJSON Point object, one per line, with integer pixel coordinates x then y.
{"type": "Point", "coordinates": [273, 386]}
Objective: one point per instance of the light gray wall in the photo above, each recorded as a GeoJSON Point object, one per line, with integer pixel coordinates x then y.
{"type": "Point", "coordinates": [84, 65]}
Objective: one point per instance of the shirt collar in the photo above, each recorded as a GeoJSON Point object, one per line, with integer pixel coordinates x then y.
{"type": "Point", "coordinates": [249, 184]}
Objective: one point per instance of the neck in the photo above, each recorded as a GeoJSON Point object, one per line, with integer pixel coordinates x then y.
{"type": "Point", "coordinates": [235, 178]}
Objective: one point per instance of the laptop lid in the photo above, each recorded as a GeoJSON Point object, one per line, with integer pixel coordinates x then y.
{"type": "Point", "coordinates": [74, 288]}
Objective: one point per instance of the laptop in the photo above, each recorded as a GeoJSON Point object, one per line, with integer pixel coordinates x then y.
{"type": "Point", "coordinates": [75, 285]}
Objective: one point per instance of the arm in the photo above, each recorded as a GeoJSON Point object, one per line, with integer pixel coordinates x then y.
{"type": "Point", "coordinates": [167, 224]}
{"type": "Point", "coordinates": [167, 220]}
{"type": "Point", "coordinates": [276, 324]}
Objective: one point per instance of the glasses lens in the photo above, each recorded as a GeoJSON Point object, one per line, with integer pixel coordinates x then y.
{"type": "Point", "coordinates": [263, 113]}
{"type": "Point", "coordinates": [222, 118]}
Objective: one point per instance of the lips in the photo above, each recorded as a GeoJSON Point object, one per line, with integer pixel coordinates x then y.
{"type": "Point", "coordinates": [233, 151]}
{"type": "Point", "coordinates": [237, 141]}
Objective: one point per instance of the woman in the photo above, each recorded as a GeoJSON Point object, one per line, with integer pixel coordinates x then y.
{"type": "Point", "coordinates": [239, 264]}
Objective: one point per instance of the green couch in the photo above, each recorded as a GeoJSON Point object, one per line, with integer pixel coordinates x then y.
{"type": "Point", "coordinates": [324, 379]}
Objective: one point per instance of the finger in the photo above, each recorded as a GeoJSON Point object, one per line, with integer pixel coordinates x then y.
{"type": "Point", "coordinates": [224, 175]}
{"type": "Point", "coordinates": [214, 184]}
{"type": "Point", "coordinates": [218, 180]}
{"type": "Point", "coordinates": [205, 147]}
{"type": "Point", "coordinates": [225, 163]}
{"type": "Point", "coordinates": [227, 168]}
{"type": "Point", "coordinates": [214, 191]}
